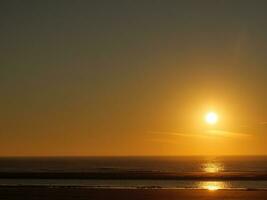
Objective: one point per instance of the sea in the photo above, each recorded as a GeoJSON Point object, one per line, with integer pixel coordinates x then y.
{"type": "Point", "coordinates": [155, 164]}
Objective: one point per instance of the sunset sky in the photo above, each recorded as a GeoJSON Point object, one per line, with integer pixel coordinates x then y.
{"type": "Point", "coordinates": [88, 78]}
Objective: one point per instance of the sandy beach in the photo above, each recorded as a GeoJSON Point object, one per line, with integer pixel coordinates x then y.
{"type": "Point", "coordinates": [71, 193]}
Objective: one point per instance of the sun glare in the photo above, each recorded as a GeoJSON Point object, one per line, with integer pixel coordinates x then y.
{"type": "Point", "coordinates": [212, 185]}
{"type": "Point", "coordinates": [212, 167]}
{"type": "Point", "coordinates": [211, 118]}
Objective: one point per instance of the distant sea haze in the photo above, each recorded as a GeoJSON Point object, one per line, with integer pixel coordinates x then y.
{"type": "Point", "coordinates": [155, 164]}
{"type": "Point", "coordinates": [159, 172]}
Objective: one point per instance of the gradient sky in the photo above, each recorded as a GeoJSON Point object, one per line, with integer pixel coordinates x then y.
{"type": "Point", "coordinates": [132, 77]}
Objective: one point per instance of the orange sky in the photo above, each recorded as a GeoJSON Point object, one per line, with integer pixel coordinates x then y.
{"type": "Point", "coordinates": [133, 78]}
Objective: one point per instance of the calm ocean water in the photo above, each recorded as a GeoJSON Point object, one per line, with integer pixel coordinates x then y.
{"type": "Point", "coordinates": [253, 164]}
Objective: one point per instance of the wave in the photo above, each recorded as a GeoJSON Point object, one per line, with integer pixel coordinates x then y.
{"type": "Point", "coordinates": [138, 175]}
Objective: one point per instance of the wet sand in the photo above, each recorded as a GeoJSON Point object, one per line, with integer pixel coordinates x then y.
{"type": "Point", "coordinates": [71, 193]}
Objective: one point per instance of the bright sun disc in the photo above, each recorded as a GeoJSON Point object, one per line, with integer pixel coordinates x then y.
{"type": "Point", "coordinates": [211, 118]}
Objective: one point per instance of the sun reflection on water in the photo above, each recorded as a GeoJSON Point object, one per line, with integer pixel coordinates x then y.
{"type": "Point", "coordinates": [212, 185]}
{"type": "Point", "coordinates": [212, 167]}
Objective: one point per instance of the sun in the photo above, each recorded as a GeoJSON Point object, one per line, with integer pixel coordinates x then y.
{"type": "Point", "coordinates": [211, 118]}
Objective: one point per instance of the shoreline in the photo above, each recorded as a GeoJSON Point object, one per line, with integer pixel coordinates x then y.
{"type": "Point", "coordinates": [71, 193]}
